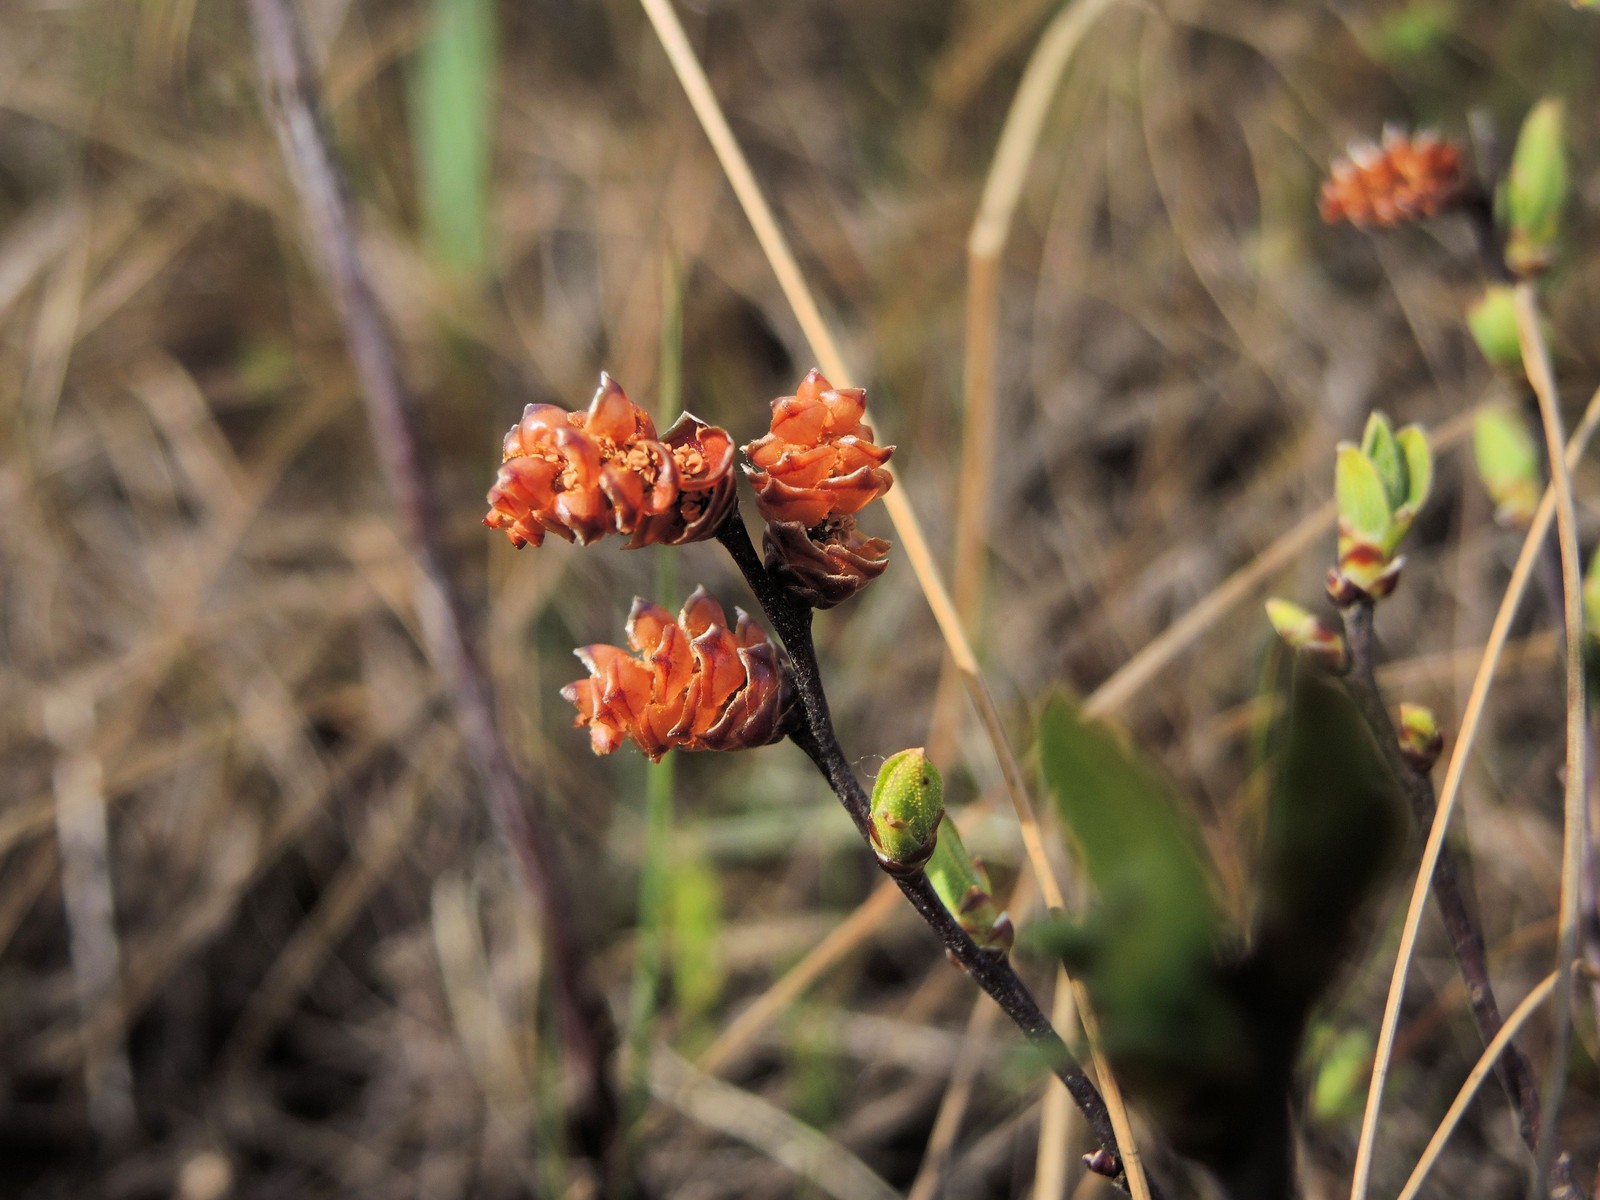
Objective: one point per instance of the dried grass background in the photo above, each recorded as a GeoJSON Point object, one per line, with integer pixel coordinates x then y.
{"type": "Point", "coordinates": [256, 937]}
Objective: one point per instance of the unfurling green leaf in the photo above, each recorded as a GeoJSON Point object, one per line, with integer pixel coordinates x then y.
{"type": "Point", "coordinates": [1363, 500]}
{"type": "Point", "coordinates": [963, 885]}
{"type": "Point", "coordinates": [1379, 445]}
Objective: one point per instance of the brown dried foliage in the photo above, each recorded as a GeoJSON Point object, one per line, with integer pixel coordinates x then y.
{"type": "Point", "coordinates": [696, 685]}
{"type": "Point", "coordinates": [584, 475]}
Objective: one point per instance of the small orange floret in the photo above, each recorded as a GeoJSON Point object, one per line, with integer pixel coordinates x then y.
{"type": "Point", "coordinates": [696, 684]}
{"type": "Point", "coordinates": [1406, 178]}
{"type": "Point", "coordinates": [584, 475]}
{"type": "Point", "coordinates": [818, 460]}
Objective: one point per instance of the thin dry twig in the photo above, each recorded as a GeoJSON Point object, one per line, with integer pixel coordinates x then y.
{"type": "Point", "coordinates": [290, 88]}
{"type": "Point", "coordinates": [1480, 1071]}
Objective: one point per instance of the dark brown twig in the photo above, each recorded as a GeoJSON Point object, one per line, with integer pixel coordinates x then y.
{"type": "Point", "coordinates": [992, 972]}
{"type": "Point", "coordinates": [1460, 922]}
{"type": "Point", "coordinates": [588, 1037]}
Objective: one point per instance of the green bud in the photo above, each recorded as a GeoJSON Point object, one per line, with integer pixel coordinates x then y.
{"type": "Point", "coordinates": [1508, 464]}
{"type": "Point", "coordinates": [1493, 321]}
{"type": "Point", "coordinates": [1378, 486]}
{"type": "Point", "coordinates": [1535, 190]}
{"type": "Point", "coordinates": [907, 806]}
{"type": "Point", "coordinates": [1420, 739]}
{"type": "Point", "coordinates": [963, 886]}
{"type": "Point", "coordinates": [1302, 632]}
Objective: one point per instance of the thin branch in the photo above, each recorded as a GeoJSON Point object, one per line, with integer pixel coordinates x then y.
{"type": "Point", "coordinates": [1491, 1058]}
{"type": "Point", "coordinates": [817, 737]}
{"type": "Point", "coordinates": [290, 89]}
{"type": "Point", "coordinates": [1460, 922]}
{"type": "Point", "coordinates": [1449, 792]}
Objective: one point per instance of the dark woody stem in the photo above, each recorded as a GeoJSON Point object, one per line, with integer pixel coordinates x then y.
{"type": "Point", "coordinates": [1460, 922]}
{"type": "Point", "coordinates": [992, 972]}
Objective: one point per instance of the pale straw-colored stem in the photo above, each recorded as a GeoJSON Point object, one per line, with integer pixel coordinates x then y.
{"type": "Point", "coordinates": [991, 229]}
{"type": "Point", "coordinates": [1536, 361]}
{"type": "Point", "coordinates": [1480, 1071]}
{"type": "Point", "coordinates": [1449, 792]}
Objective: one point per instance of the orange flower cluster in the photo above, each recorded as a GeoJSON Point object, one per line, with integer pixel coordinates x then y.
{"type": "Point", "coordinates": [1404, 179]}
{"type": "Point", "coordinates": [819, 460]}
{"type": "Point", "coordinates": [695, 685]}
{"type": "Point", "coordinates": [583, 475]}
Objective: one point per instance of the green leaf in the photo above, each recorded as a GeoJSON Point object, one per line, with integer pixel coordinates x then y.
{"type": "Point", "coordinates": [1334, 825]}
{"type": "Point", "coordinates": [1493, 322]}
{"type": "Point", "coordinates": [1378, 444]}
{"type": "Point", "coordinates": [1341, 1077]}
{"type": "Point", "coordinates": [1363, 502]}
{"type": "Point", "coordinates": [1413, 446]}
{"type": "Point", "coordinates": [1508, 463]}
{"type": "Point", "coordinates": [963, 886]}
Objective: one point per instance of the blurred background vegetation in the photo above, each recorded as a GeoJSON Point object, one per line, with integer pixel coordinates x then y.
{"type": "Point", "coordinates": [256, 936]}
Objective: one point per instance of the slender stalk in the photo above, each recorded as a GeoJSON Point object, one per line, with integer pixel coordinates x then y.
{"type": "Point", "coordinates": [816, 736]}
{"type": "Point", "coordinates": [1536, 361]}
{"type": "Point", "coordinates": [291, 93]}
{"type": "Point", "coordinates": [1460, 922]}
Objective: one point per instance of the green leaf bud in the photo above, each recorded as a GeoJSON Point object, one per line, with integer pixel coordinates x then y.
{"type": "Point", "coordinates": [907, 806]}
{"type": "Point", "coordinates": [1420, 739]}
{"type": "Point", "coordinates": [963, 885]}
{"type": "Point", "coordinates": [1302, 632]}
{"type": "Point", "coordinates": [1508, 464]}
{"type": "Point", "coordinates": [1535, 190]}
{"type": "Point", "coordinates": [1493, 322]}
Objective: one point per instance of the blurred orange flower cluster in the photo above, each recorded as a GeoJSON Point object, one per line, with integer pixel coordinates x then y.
{"type": "Point", "coordinates": [696, 684]}
{"type": "Point", "coordinates": [583, 475]}
{"type": "Point", "coordinates": [1404, 179]}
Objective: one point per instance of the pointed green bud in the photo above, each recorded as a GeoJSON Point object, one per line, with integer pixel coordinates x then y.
{"type": "Point", "coordinates": [963, 886]}
{"type": "Point", "coordinates": [1508, 464]}
{"type": "Point", "coordinates": [1493, 321]}
{"type": "Point", "coordinates": [1420, 739]}
{"type": "Point", "coordinates": [1535, 190]}
{"type": "Point", "coordinates": [907, 806]}
{"type": "Point", "coordinates": [1305, 634]}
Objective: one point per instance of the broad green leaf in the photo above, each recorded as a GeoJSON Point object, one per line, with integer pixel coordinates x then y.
{"type": "Point", "coordinates": [1413, 445]}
